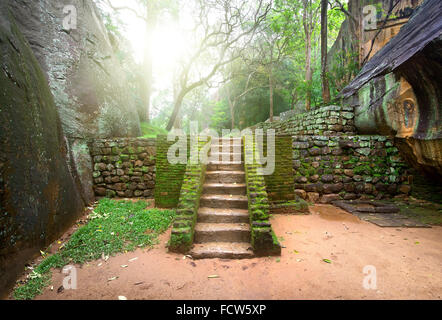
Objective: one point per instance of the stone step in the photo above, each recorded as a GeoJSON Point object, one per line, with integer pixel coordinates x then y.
{"type": "Point", "coordinates": [221, 166]}
{"type": "Point", "coordinates": [225, 188]}
{"type": "Point", "coordinates": [220, 141]}
{"type": "Point", "coordinates": [224, 201]}
{"type": "Point", "coordinates": [226, 157]}
{"type": "Point", "coordinates": [216, 215]}
{"type": "Point", "coordinates": [233, 148]}
{"type": "Point", "coordinates": [222, 232]}
{"type": "Point", "coordinates": [225, 177]}
{"type": "Point", "coordinates": [222, 250]}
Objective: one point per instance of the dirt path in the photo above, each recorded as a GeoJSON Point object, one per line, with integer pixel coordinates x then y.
{"type": "Point", "coordinates": [408, 264]}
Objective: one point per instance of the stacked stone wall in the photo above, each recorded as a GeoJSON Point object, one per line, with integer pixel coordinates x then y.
{"type": "Point", "coordinates": [169, 176]}
{"type": "Point", "coordinates": [327, 121]}
{"type": "Point", "coordinates": [124, 167]}
{"type": "Point", "coordinates": [350, 167]}
{"type": "Point", "coordinates": [279, 184]}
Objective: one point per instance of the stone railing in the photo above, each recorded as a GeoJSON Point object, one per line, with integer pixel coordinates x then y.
{"type": "Point", "coordinates": [181, 239]}
{"type": "Point", "coordinates": [264, 241]}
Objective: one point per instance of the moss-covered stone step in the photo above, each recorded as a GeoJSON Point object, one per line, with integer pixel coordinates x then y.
{"type": "Point", "coordinates": [224, 201]}
{"type": "Point", "coordinates": [222, 232]}
{"type": "Point", "coordinates": [225, 188]}
{"type": "Point", "coordinates": [226, 140]}
{"type": "Point", "coordinates": [221, 166]}
{"type": "Point", "coordinates": [223, 250]}
{"type": "Point", "coordinates": [225, 177]}
{"type": "Point", "coordinates": [226, 157]}
{"type": "Point", "coordinates": [234, 148]}
{"type": "Point", "coordinates": [221, 215]}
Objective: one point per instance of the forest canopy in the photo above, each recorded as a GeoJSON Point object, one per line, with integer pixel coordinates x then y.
{"type": "Point", "coordinates": [224, 63]}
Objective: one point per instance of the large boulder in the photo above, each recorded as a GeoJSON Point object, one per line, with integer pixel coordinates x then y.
{"type": "Point", "coordinates": [38, 195]}
{"type": "Point", "coordinates": [399, 91]}
{"type": "Point", "coordinates": [84, 73]}
{"type": "Point", "coordinates": [59, 89]}
{"type": "Point", "coordinates": [82, 67]}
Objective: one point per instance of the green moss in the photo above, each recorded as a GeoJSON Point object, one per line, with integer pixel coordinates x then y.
{"type": "Point", "coordinates": [181, 239]}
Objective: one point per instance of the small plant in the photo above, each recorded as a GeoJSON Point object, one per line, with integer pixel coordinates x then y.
{"type": "Point", "coordinates": [114, 226]}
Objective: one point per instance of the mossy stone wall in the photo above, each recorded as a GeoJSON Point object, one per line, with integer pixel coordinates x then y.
{"type": "Point", "coordinates": [169, 177]}
{"type": "Point", "coordinates": [279, 184]}
{"type": "Point", "coordinates": [123, 167]}
{"type": "Point", "coordinates": [327, 121]}
{"type": "Point", "coordinates": [348, 167]}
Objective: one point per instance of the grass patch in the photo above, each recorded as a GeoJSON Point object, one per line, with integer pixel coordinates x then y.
{"type": "Point", "coordinates": [114, 227]}
{"type": "Point", "coordinates": [150, 131]}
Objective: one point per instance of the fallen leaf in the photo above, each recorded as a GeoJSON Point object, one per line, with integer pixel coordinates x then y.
{"type": "Point", "coordinates": [296, 251]}
{"type": "Point", "coordinates": [326, 260]}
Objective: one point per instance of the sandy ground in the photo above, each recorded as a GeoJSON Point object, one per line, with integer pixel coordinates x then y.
{"type": "Point", "coordinates": [408, 265]}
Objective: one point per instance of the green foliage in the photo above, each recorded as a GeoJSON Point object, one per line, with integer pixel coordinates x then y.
{"type": "Point", "coordinates": [114, 226]}
{"type": "Point", "coordinates": [151, 131]}
{"type": "Point", "coordinates": [346, 66]}
{"type": "Point", "coordinates": [284, 26]}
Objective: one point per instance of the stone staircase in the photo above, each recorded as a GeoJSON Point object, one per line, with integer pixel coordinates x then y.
{"type": "Point", "coordinates": [223, 229]}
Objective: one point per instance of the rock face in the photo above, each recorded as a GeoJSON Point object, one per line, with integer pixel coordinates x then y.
{"type": "Point", "coordinates": [399, 91]}
{"type": "Point", "coordinates": [39, 197]}
{"type": "Point", "coordinates": [354, 41]}
{"type": "Point", "coordinates": [59, 89]}
{"type": "Point", "coordinates": [82, 68]}
{"type": "Point", "coordinates": [84, 74]}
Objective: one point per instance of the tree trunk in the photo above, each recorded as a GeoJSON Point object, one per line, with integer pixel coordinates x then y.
{"type": "Point", "coordinates": [271, 91]}
{"type": "Point", "coordinates": [176, 109]}
{"type": "Point", "coordinates": [324, 68]}
{"type": "Point", "coordinates": [147, 87]}
{"type": "Point", "coordinates": [308, 71]}
{"type": "Point", "coordinates": [232, 116]}
{"type": "Point", "coordinates": [147, 62]}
